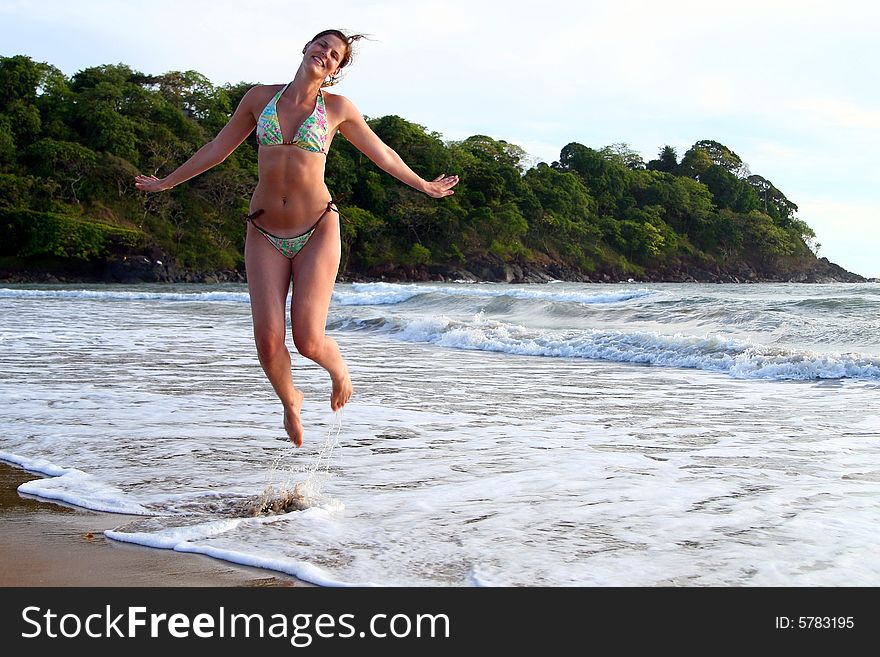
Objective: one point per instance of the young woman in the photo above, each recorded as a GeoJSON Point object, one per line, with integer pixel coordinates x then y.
{"type": "Point", "coordinates": [293, 226]}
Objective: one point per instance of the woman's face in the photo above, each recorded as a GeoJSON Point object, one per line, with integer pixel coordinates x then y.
{"type": "Point", "coordinates": [325, 54]}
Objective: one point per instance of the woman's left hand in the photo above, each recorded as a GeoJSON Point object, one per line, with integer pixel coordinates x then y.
{"type": "Point", "coordinates": [441, 186]}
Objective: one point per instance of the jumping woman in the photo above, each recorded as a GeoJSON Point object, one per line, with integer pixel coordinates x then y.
{"type": "Point", "coordinates": [293, 226]}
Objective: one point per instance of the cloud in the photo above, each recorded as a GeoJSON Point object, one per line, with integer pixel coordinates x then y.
{"type": "Point", "coordinates": [848, 231]}
{"type": "Point", "coordinates": [834, 113]}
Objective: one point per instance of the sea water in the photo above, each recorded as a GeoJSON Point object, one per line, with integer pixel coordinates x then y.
{"type": "Point", "coordinates": [562, 434]}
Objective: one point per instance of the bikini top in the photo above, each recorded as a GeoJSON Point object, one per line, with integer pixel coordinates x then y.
{"type": "Point", "coordinates": [311, 136]}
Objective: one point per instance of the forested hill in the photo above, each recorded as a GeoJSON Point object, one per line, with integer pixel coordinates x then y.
{"type": "Point", "coordinates": [70, 148]}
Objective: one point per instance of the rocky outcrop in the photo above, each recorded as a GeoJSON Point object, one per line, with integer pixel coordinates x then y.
{"type": "Point", "coordinates": [491, 268]}
{"type": "Point", "coordinates": [154, 267]}
{"type": "Point", "coordinates": [143, 269]}
{"type": "Point", "coordinates": [825, 271]}
{"type": "Point", "coordinates": [136, 269]}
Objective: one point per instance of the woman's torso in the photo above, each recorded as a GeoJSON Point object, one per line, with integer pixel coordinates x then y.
{"type": "Point", "coordinates": [291, 188]}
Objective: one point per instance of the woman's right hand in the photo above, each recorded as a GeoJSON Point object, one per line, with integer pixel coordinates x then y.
{"type": "Point", "coordinates": [151, 183]}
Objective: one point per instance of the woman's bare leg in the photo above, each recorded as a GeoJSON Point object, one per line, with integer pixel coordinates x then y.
{"type": "Point", "coordinates": [268, 276]}
{"type": "Point", "coordinates": [314, 274]}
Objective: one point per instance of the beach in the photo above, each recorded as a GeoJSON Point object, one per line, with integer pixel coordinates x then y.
{"type": "Point", "coordinates": [49, 544]}
{"type": "Point", "coordinates": [565, 434]}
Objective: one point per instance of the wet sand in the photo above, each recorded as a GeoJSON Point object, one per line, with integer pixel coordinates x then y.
{"type": "Point", "coordinates": [49, 544]}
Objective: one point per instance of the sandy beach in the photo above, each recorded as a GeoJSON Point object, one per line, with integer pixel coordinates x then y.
{"type": "Point", "coordinates": [48, 544]}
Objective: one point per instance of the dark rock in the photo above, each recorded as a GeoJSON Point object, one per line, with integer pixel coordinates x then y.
{"type": "Point", "coordinates": [135, 269]}
{"type": "Point", "coordinates": [155, 266]}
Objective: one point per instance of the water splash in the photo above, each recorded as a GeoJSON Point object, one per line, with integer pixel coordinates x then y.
{"type": "Point", "coordinates": [282, 494]}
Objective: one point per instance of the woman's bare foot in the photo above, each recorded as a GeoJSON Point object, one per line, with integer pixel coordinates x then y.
{"type": "Point", "coordinates": [341, 390]}
{"type": "Point", "coordinates": [292, 423]}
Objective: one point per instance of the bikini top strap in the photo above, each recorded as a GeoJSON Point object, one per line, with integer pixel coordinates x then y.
{"type": "Point", "coordinates": [278, 95]}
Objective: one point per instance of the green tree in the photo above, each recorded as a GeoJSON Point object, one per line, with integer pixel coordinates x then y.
{"type": "Point", "coordinates": [623, 154]}
{"type": "Point", "coordinates": [728, 191]}
{"type": "Point", "coordinates": [19, 78]}
{"type": "Point", "coordinates": [194, 95]}
{"type": "Point", "coordinates": [67, 162]}
{"type": "Point", "coordinates": [7, 141]}
{"type": "Point", "coordinates": [667, 160]}
{"type": "Point", "coordinates": [100, 110]}
{"type": "Point", "coordinates": [606, 179]}
{"type": "Point", "coordinates": [423, 151]}
{"type": "Point", "coordinates": [694, 162]}
{"type": "Point", "coordinates": [561, 193]}
{"type": "Point", "coordinates": [685, 201]}
{"type": "Point", "coordinates": [772, 201]}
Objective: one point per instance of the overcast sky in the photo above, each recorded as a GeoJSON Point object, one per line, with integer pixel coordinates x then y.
{"type": "Point", "coordinates": [790, 86]}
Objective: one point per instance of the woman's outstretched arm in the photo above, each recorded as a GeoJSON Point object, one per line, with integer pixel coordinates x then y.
{"type": "Point", "coordinates": [355, 129]}
{"type": "Point", "coordinates": [211, 154]}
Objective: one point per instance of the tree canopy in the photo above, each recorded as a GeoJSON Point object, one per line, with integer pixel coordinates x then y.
{"type": "Point", "coordinates": [70, 148]}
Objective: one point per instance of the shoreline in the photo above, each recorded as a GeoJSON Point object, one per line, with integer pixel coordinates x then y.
{"type": "Point", "coordinates": [50, 544]}
{"type": "Point", "coordinates": [141, 269]}
{"type": "Point", "coordinates": [403, 278]}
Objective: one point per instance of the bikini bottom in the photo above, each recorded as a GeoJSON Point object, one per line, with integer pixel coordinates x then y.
{"type": "Point", "coordinates": [290, 246]}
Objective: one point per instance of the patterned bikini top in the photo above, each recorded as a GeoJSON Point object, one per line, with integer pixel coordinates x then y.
{"type": "Point", "coordinates": [311, 136]}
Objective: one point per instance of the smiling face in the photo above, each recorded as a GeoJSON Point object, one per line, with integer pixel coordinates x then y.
{"type": "Point", "coordinates": [327, 54]}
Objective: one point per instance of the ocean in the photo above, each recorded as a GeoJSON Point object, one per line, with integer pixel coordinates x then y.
{"type": "Point", "coordinates": [627, 434]}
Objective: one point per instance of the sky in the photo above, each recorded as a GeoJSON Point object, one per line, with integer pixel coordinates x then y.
{"type": "Point", "coordinates": [790, 86]}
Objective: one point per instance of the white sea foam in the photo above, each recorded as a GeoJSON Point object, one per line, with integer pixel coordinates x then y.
{"type": "Point", "coordinates": [358, 294]}
{"type": "Point", "coordinates": [38, 465]}
{"type": "Point", "coordinates": [112, 294]}
{"type": "Point", "coordinates": [303, 570]}
{"type": "Point", "coordinates": [707, 352]}
{"type": "Point", "coordinates": [191, 539]}
{"type": "Point", "coordinates": [73, 486]}
{"type": "Point", "coordinates": [374, 294]}
{"type": "Point", "coordinates": [477, 578]}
